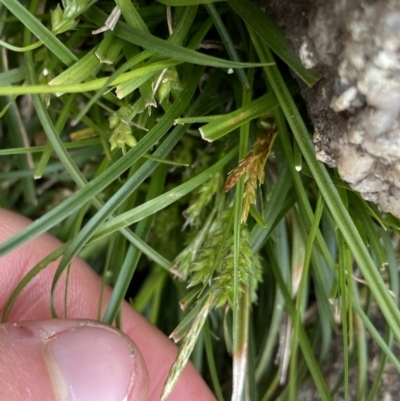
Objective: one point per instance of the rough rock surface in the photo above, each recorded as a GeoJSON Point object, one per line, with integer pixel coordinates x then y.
{"type": "Point", "coordinates": [355, 109]}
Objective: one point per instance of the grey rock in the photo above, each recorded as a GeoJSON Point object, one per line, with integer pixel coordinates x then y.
{"type": "Point", "coordinates": [355, 108]}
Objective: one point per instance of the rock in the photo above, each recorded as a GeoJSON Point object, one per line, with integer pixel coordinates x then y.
{"type": "Point", "coordinates": [355, 108]}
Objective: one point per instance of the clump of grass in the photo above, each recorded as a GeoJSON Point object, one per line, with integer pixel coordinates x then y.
{"type": "Point", "coordinates": [153, 104]}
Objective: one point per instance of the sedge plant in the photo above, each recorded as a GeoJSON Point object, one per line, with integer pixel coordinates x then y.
{"type": "Point", "coordinates": [165, 142]}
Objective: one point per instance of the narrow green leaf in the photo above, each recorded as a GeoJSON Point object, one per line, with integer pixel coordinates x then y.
{"type": "Point", "coordinates": [33, 272]}
{"type": "Point", "coordinates": [109, 49]}
{"type": "Point", "coordinates": [61, 121]}
{"type": "Point", "coordinates": [163, 47]}
{"type": "Point", "coordinates": [312, 364]}
{"type": "Point", "coordinates": [302, 293]}
{"type": "Point", "coordinates": [344, 271]}
{"type": "Point", "coordinates": [272, 36]}
{"type": "Point", "coordinates": [275, 209]}
{"type": "Point", "coordinates": [374, 241]}
{"type": "Point", "coordinates": [99, 93]}
{"type": "Point", "coordinates": [227, 123]}
{"type": "Point", "coordinates": [186, 348]}
{"type": "Point", "coordinates": [131, 15]}
{"type": "Point", "coordinates": [180, 32]}
{"type": "Point", "coordinates": [86, 86]}
{"type": "Point", "coordinates": [241, 304]}
{"type": "Point", "coordinates": [39, 149]}
{"type": "Point", "coordinates": [282, 252]}
{"type": "Point", "coordinates": [133, 255]}
{"type": "Point", "coordinates": [147, 250]}
{"type": "Point", "coordinates": [12, 76]}
{"type": "Point", "coordinates": [14, 124]}
{"type": "Point", "coordinates": [79, 71]}
{"type": "Point", "coordinates": [17, 49]}
{"type": "Point", "coordinates": [40, 31]}
{"type": "Point", "coordinates": [211, 362]}
{"type": "Point", "coordinates": [161, 202]}
{"type": "Point", "coordinates": [199, 119]}
{"type": "Point", "coordinates": [377, 337]}
{"type": "Point", "coordinates": [257, 217]}
{"type": "Point", "coordinates": [226, 39]}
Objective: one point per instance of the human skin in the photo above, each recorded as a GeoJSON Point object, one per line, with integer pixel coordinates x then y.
{"type": "Point", "coordinates": [83, 294]}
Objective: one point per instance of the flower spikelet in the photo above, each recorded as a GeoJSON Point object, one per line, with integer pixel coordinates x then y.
{"type": "Point", "coordinates": [195, 212]}
{"type": "Point", "coordinates": [213, 267]}
{"type": "Point", "coordinates": [223, 285]}
{"type": "Point", "coordinates": [252, 168]}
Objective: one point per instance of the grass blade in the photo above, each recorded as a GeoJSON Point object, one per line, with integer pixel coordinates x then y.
{"type": "Point", "coordinates": [227, 123]}
{"type": "Point", "coordinates": [40, 31]}
{"type": "Point", "coordinates": [273, 37]}
{"type": "Point", "coordinates": [165, 48]}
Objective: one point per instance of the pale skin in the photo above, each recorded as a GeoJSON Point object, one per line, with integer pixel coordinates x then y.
{"type": "Point", "coordinates": [84, 287]}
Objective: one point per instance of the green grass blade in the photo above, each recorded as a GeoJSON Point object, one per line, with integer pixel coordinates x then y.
{"type": "Point", "coordinates": [125, 67]}
{"type": "Point", "coordinates": [77, 200]}
{"type": "Point", "coordinates": [40, 31]}
{"type": "Point", "coordinates": [49, 128]}
{"type": "Point", "coordinates": [222, 126]}
{"type": "Point", "coordinates": [302, 293]}
{"type": "Point", "coordinates": [133, 255]}
{"type": "Point", "coordinates": [344, 262]}
{"type": "Point", "coordinates": [180, 32]}
{"type": "Point", "coordinates": [282, 253]}
{"type": "Point", "coordinates": [131, 15]}
{"type": "Point", "coordinates": [23, 49]}
{"type": "Point", "coordinates": [186, 348]}
{"type": "Point", "coordinates": [226, 39]}
{"type": "Point", "coordinates": [61, 121]}
{"type": "Point", "coordinates": [12, 76]}
{"type": "Point", "coordinates": [79, 71]}
{"type": "Point", "coordinates": [147, 250]}
{"type": "Point", "coordinates": [388, 339]}
{"type": "Point", "coordinates": [211, 362]}
{"type": "Point", "coordinates": [312, 364]}
{"type": "Point", "coordinates": [165, 48]}
{"type": "Point", "coordinates": [38, 149]}
{"type": "Point", "coordinates": [304, 203]}
{"type": "Point", "coordinates": [51, 257]}
{"type": "Point", "coordinates": [162, 201]}
{"type": "Point", "coordinates": [272, 36]}
{"type": "Point", "coordinates": [87, 86]}
{"type": "Point", "coordinates": [13, 121]}
{"type": "Point", "coordinates": [373, 238]}
{"type": "Point", "coordinates": [241, 304]}
{"type": "Point", "coordinates": [274, 210]}
{"type": "Point", "coordinates": [377, 337]}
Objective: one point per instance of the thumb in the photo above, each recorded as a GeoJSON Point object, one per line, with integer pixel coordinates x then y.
{"type": "Point", "coordinates": [69, 360]}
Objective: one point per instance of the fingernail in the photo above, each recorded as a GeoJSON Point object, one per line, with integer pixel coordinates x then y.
{"type": "Point", "coordinates": [90, 362]}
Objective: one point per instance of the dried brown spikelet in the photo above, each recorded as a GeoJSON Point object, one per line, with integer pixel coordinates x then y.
{"type": "Point", "coordinates": [252, 166]}
{"type": "Point", "coordinates": [235, 174]}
